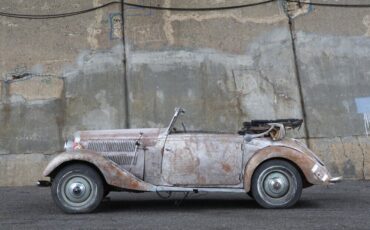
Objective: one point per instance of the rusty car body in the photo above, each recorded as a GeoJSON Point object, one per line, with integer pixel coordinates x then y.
{"type": "Point", "coordinates": [268, 166]}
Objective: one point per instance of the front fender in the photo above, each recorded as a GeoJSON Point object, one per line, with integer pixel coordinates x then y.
{"type": "Point", "coordinates": [304, 162]}
{"type": "Point", "coordinates": [113, 174]}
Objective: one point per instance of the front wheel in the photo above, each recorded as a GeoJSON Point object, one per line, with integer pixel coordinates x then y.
{"type": "Point", "coordinates": [77, 188]}
{"type": "Point", "coordinates": [276, 184]}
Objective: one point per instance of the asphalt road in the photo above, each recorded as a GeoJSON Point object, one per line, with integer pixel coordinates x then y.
{"type": "Point", "coordinates": [343, 206]}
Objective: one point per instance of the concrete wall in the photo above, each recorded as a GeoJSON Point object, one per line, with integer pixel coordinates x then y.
{"type": "Point", "coordinates": [333, 52]}
{"type": "Point", "coordinates": [224, 67]}
{"type": "Point", "coordinates": [71, 72]}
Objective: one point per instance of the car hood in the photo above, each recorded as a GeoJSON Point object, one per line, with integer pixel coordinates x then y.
{"type": "Point", "coordinates": [146, 136]}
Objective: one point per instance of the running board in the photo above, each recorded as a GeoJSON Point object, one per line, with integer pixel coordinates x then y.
{"type": "Point", "coordinates": [196, 190]}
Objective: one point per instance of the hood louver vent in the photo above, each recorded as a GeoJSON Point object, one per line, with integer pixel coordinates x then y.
{"type": "Point", "coordinates": [122, 152]}
{"type": "Point", "coordinates": [122, 158]}
{"type": "Point", "coordinates": [105, 146]}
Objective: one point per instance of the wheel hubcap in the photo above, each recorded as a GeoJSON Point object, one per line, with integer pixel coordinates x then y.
{"type": "Point", "coordinates": [77, 189]}
{"type": "Point", "coordinates": [276, 184]}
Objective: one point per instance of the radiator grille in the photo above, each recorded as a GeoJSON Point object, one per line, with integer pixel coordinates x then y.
{"type": "Point", "coordinates": [105, 146]}
{"type": "Point", "coordinates": [122, 152]}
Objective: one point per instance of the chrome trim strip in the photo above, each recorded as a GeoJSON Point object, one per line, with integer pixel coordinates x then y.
{"type": "Point", "coordinates": [182, 189]}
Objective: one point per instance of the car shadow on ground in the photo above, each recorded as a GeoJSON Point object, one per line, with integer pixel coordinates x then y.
{"type": "Point", "coordinates": [190, 205]}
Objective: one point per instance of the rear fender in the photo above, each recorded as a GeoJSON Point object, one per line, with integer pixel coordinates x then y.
{"type": "Point", "coordinates": [303, 161]}
{"type": "Point", "coordinates": [113, 174]}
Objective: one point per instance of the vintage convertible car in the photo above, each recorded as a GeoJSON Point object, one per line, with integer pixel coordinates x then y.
{"type": "Point", "coordinates": [259, 161]}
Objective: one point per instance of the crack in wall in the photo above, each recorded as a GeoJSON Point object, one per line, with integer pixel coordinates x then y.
{"type": "Point", "coordinates": [238, 99]}
{"type": "Point", "coordinates": [363, 158]}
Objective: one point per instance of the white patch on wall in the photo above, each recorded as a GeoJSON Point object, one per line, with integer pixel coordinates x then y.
{"type": "Point", "coordinates": [367, 122]}
{"type": "Point", "coordinates": [363, 106]}
{"type": "Point", "coordinates": [366, 22]}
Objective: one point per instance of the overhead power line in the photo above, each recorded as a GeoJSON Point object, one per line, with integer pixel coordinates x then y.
{"type": "Point", "coordinates": [331, 4]}
{"type": "Point", "coordinates": [68, 14]}
{"type": "Point", "coordinates": [201, 8]}
{"type": "Point", "coordinates": [158, 7]}
{"type": "Point", "coordinates": [61, 15]}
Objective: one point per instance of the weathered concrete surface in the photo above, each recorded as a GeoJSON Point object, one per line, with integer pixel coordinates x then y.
{"type": "Point", "coordinates": [22, 169]}
{"type": "Point", "coordinates": [50, 44]}
{"type": "Point", "coordinates": [333, 55]}
{"type": "Point", "coordinates": [365, 148]}
{"type": "Point", "coordinates": [217, 65]}
{"type": "Point", "coordinates": [56, 76]}
{"type": "Point", "coordinates": [61, 75]}
{"type": "Point", "coordinates": [334, 73]}
{"type": "Point", "coordinates": [343, 156]}
{"type": "Point", "coordinates": [94, 91]}
{"type": "Point", "coordinates": [37, 88]}
{"type": "Point", "coordinates": [1, 91]}
{"type": "Point", "coordinates": [28, 127]}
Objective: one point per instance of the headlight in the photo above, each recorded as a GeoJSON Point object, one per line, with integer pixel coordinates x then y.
{"type": "Point", "coordinates": [73, 142]}
{"type": "Point", "coordinates": [68, 145]}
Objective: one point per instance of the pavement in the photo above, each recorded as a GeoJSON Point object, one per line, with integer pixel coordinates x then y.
{"type": "Point", "coordinates": [342, 206]}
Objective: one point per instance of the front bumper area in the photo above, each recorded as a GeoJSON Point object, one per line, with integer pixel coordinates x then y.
{"type": "Point", "coordinates": [323, 176]}
{"type": "Point", "coordinates": [334, 180]}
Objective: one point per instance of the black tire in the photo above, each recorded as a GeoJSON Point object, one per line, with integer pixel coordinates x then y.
{"type": "Point", "coordinates": [106, 192]}
{"type": "Point", "coordinates": [276, 184]}
{"type": "Point", "coordinates": [250, 194]}
{"type": "Point", "coordinates": [77, 188]}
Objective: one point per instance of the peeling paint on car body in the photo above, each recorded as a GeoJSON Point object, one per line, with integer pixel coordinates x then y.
{"type": "Point", "coordinates": [171, 160]}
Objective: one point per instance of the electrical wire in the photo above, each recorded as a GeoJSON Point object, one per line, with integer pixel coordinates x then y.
{"type": "Point", "coordinates": [200, 9]}
{"type": "Point", "coordinates": [68, 14]}
{"type": "Point", "coordinates": [61, 15]}
{"type": "Point", "coordinates": [331, 4]}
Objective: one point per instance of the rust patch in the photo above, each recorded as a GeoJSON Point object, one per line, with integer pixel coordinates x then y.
{"type": "Point", "coordinates": [226, 167]}
{"type": "Point", "coordinates": [302, 160]}
{"type": "Point", "coordinates": [134, 184]}
{"type": "Point", "coordinates": [113, 174]}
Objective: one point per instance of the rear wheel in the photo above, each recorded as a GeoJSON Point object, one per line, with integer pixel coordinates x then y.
{"type": "Point", "coordinates": [276, 184]}
{"type": "Point", "coordinates": [77, 188]}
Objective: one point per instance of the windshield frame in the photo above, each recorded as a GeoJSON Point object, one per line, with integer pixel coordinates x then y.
{"type": "Point", "coordinates": [178, 112]}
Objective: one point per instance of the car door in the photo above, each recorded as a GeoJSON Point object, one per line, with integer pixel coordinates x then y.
{"type": "Point", "coordinates": [202, 160]}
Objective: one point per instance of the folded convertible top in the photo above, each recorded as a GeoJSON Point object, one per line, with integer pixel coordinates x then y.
{"type": "Point", "coordinates": [260, 126]}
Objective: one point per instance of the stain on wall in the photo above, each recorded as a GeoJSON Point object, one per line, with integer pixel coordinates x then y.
{"type": "Point", "coordinates": [115, 20]}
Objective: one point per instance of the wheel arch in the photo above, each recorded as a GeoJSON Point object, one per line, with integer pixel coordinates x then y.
{"type": "Point", "coordinates": [111, 173]}
{"type": "Point", "coordinates": [53, 173]}
{"type": "Point", "coordinates": [299, 160]}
